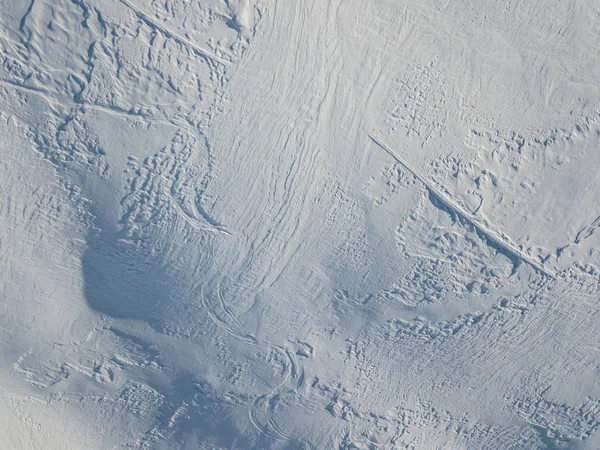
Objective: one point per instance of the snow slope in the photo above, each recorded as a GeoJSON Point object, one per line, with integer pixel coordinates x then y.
{"type": "Point", "coordinates": [306, 225]}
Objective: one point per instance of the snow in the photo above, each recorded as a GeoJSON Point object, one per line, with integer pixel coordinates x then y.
{"type": "Point", "coordinates": [249, 224]}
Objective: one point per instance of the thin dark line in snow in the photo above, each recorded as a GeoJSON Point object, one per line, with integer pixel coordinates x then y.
{"type": "Point", "coordinates": [490, 235]}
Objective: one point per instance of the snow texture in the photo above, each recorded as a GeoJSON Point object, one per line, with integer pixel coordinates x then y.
{"type": "Point", "coordinates": [321, 224]}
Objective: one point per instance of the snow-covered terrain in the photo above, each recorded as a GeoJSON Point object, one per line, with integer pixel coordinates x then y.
{"type": "Point", "coordinates": [321, 224]}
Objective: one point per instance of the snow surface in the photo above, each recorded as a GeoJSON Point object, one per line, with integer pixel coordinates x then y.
{"type": "Point", "coordinates": [257, 224]}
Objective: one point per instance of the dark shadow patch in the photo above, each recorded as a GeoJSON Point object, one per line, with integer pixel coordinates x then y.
{"type": "Point", "coordinates": [122, 279]}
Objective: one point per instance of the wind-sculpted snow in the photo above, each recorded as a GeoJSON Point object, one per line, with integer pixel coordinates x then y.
{"type": "Point", "coordinates": [249, 224]}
